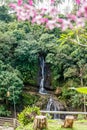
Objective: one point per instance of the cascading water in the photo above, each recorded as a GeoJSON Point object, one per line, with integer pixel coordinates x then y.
{"type": "Point", "coordinates": [56, 116]}
{"type": "Point", "coordinates": [42, 65]}
{"type": "Point", "coordinates": [54, 105]}
{"type": "Point", "coordinates": [51, 106]}
{"type": "Point", "coordinates": [50, 102]}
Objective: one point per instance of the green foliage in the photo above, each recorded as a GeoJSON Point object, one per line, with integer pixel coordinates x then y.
{"type": "Point", "coordinates": [76, 100]}
{"type": "Point", "coordinates": [19, 34]}
{"type": "Point", "coordinates": [29, 99]}
{"type": "Point", "coordinates": [81, 117]}
{"type": "Point", "coordinates": [4, 111]}
{"type": "Point", "coordinates": [28, 114]}
{"type": "Point", "coordinates": [72, 98]}
{"type": "Point", "coordinates": [21, 44]}
{"type": "Point", "coordinates": [25, 57]}
{"type": "Point", "coordinates": [10, 81]}
{"type": "Point", "coordinates": [4, 16]}
{"type": "Point", "coordinates": [70, 72]}
{"type": "Point", "coordinates": [76, 36]}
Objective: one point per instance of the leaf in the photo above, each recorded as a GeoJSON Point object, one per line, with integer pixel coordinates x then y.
{"type": "Point", "coordinates": [81, 90]}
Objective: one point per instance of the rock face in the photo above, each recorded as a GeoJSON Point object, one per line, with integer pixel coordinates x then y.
{"type": "Point", "coordinates": [44, 80]}
{"type": "Point", "coordinates": [48, 77]}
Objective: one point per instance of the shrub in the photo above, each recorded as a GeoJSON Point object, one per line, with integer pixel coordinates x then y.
{"type": "Point", "coordinates": [72, 98]}
{"type": "Point", "coordinates": [4, 112]}
{"type": "Point", "coordinates": [28, 114]}
{"type": "Point", "coordinates": [29, 99]}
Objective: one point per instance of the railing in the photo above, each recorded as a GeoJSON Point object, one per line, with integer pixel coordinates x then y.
{"type": "Point", "coordinates": [11, 122]}
{"type": "Point", "coordinates": [64, 112]}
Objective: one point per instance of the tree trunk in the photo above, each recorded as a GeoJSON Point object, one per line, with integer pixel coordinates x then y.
{"type": "Point", "coordinates": [40, 122]}
{"type": "Point", "coordinates": [68, 123]}
{"type": "Point", "coordinates": [84, 97]}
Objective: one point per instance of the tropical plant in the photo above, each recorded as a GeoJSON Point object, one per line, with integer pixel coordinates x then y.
{"type": "Point", "coordinates": [28, 114]}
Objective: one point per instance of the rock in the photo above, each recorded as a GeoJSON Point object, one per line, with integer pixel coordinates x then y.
{"type": "Point", "coordinates": [58, 91]}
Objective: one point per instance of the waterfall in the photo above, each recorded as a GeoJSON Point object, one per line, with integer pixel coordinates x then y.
{"type": "Point", "coordinates": [50, 102]}
{"type": "Point", "coordinates": [42, 65]}
{"type": "Point", "coordinates": [53, 105]}
{"type": "Point", "coordinates": [56, 115]}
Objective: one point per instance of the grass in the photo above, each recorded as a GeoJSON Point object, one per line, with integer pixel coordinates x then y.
{"type": "Point", "coordinates": [56, 125]}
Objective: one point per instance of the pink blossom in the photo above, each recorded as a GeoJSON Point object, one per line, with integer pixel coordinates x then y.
{"type": "Point", "coordinates": [53, 12]}
{"type": "Point", "coordinates": [79, 13]}
{"type": "Point", "coordinates": [49, 16]}
{"type": "Point", "coordinates": [26, 6]}
{"type": "Point", "coordinates": [30, 2]}
{"type": "Point", "coordinates": [65, 24]}
{"type": "Point", "coordinates": [37, 19]}
{"type": "Point", "coordinates": [82, 10]}
{"type": "Point", "coordinates": [64, 27]}
{"type": "Point", "coordinates": [85, 15]}
{"type": "Point", "coordinates": [72, 17]}
{"type": "Point", "coordinates": [44, 20]}
{"type": "Point", "coordinates": [71, 26]}
{"type": "Point", "coordinates": [85, 8]}
{"type": "Point", "coordinates": [80, 22]}
{"type": "Point", "coordinates": [52, 1]}
{"type": "Point", "coordinates": [60, 20]}
{"type": "Point", "coordinates": [12, 5]}
{"type": "Point", "coordinates": [78, 1]}
{"type": "Point", "coordinates": [42, 11]}
{"type": "Point", "coordinates": [21, 16]}
{"type": "Point", "coordinates": [20, 2]}
{"type": "Point", "coordinates": [33, 20]}
{"type": "Point", "coordinates": [51, 24]}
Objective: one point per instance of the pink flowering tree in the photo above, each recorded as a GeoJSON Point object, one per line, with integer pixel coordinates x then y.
{"type": "Point", "coordinates": [48, 13]}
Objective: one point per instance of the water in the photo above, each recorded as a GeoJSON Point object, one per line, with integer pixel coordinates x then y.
{"type": "Point", "coordinates": [49, 104]}
{"type": "Point", "coordinates": [56, 115]}
{"type": "Point", "coordinates": [53, 106]}
{"type": "Point", "coordinates": [42, 65]}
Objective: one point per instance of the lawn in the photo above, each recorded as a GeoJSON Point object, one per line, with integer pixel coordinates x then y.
{"type": "Point", "coordinates": [56, 125]}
